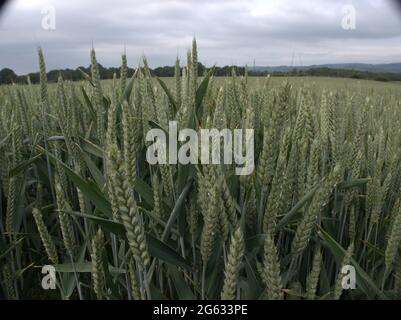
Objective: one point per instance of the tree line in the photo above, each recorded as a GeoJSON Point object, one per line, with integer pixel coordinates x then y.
{"type": "Point", "coordinates": [8, 76]}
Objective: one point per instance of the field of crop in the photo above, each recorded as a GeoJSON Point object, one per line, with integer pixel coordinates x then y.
{"type": "Point", "coordinates": [77, 193]}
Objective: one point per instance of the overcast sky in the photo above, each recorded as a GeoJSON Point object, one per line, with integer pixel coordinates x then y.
{"type": "Point", "coordinates": [267, 32]}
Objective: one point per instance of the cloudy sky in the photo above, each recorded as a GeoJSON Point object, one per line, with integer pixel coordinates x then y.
{"type": "Point", "coordinates": [265, 32]}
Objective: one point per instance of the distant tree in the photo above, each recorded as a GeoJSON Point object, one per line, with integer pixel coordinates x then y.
{"type": "Point", "coordinates": [381, 78]}
{"type": "Point", "coordinates": [355, 76]}
{"type": "Point", "coordinates": [8, 76]}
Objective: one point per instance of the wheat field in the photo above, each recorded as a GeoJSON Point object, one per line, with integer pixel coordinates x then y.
{"type": "Point", "coordinates": [77, 192]}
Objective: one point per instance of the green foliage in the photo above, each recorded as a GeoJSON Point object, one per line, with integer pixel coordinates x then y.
{"type": "Point", "coordinates": [77, 192]}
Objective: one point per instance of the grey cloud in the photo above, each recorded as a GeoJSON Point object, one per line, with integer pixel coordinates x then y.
{"type": "Point", "coordinates": [271, 32]}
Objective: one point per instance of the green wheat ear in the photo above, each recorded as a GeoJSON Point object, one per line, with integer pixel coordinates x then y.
{"type": "Point", "coordinates": [123, 73]}
{"type": "Point", "coordinates": [394, 240]}
{"type": "Point", "coordinates": [98, 97]}
{"type": "Point", "coordinates": [125, 205]}
{"type": "Point", "coordinates": [338, 290]}
{"type": "Point", "coordinates": [271, 270]}
{"type": "Point", "coordinates": [8, 283]}
{"type": "Point", "coordinates": [98, 277]}
{"type": "Point", "coordinates": [233, 265]}
{"type": "Point", "coordinates": [313, 277]}
{"type": "Point", "coordinates": [45, 236]}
